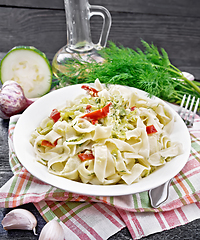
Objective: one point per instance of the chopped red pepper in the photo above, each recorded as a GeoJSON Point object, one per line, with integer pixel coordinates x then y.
{"type": "Point", "coordinates": [133, 108]}
{"type": "Point", "coordinates": [85, 156]}
{"type": "Point", "coordinates": [55, 115]}
{"type": "Point", "coordinates": [94, 122]}
{"type": "Point", "coordinates": [46, 143]}
{"type": "Point", "coordinates": [98, 114]}
{"type": "Point", "coordinates": [88, 108]}
{"type": "Point", "coordinates": [150, 129]}
{"type": "Point", "coordinates": [92, 91]}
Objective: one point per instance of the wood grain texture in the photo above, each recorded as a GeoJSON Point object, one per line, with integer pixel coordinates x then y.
{"type": "Point", "coordinates": [46, 30]}
{"type": "Point", "coordinates": [171, 24]}
{"type": "Point", "coordinates": [167, 7]}
{"type": "Point", "coordinates": [4, 155]}
{"type": "Point", "coordinates": [48, 4]}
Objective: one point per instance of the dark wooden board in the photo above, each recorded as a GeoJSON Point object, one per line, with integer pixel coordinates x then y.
{"type": "Point", "coordinates": [173, 25]}
{"type": "Point", "coordinates": [46, 30]}
{"type": "Point", "coordinates": [167, 7]}
{"type": "Point", "coordinates": [48, 4]}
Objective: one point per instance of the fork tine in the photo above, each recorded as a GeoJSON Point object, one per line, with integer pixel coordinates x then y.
{"type": "Point", "coordinates": [181, 106]}
{"type": "Point", "coordinates": [190, 109]}
{"type": "Point", "coordinates": [187, 114]}
{"type": "Point", "coordinates": [194, 113]}
{"type": "Point", "coordinates": [186, 106]}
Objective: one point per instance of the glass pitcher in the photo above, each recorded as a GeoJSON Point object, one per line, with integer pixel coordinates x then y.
{"type": "Point", "coordinates": [79, 44]}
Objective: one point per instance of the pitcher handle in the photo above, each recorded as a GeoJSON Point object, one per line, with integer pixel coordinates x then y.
{"type": "Point", "coordinates": [107, 20]}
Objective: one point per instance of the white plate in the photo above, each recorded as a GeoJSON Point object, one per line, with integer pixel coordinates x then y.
{"type": "Point", "coordinates": [34, 114]}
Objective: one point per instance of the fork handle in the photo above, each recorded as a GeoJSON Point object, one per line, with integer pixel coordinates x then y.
{"type": "Point", "coordinates": [159, 194]}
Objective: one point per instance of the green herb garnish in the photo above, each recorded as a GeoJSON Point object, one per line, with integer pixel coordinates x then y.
{"type": "Point", "coordinates": [149, 70]}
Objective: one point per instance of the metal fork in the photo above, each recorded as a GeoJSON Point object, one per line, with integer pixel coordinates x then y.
{"type": "Point", "coordinates": [160, 194]}
{"type": "Point", "coordinates": [187, 114]}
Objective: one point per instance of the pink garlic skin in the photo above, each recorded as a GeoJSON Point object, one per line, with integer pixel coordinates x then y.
{"type": "Point", "coordinates": [12, 99]}
{"type": "Point", "coordinates": [189, 76]}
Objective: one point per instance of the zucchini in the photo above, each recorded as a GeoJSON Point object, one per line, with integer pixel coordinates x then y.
{"type": "Point", "coordinates": [30, 68]}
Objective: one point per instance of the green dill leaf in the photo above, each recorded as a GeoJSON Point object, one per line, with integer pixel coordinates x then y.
{"type": "Point", "coordinates": [149, 70]}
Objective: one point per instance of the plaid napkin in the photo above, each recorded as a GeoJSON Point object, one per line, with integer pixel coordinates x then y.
{"type": "Point", "coordinates": [86, 217]}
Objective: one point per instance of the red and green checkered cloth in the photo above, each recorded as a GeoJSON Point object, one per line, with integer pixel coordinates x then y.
{"type": "Point", "coordinates": [86, 217]}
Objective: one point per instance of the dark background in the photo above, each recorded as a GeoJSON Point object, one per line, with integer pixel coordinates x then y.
{"type": "Point", "coordinates": [171, 24]}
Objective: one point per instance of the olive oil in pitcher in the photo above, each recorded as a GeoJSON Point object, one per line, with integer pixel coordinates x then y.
{"type": "Point", "coordinates": [79, 44]}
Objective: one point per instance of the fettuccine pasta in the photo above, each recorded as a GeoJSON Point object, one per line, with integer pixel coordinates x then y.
{"type": "Point", "coordinates": [109, 135]}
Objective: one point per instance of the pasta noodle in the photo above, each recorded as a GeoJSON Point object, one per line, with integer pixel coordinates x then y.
{"type": "Point", "coordinates": [115, 137]}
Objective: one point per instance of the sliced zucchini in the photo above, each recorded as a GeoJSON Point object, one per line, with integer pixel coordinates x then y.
{"type": "Point", "coordinates": [30, 68]}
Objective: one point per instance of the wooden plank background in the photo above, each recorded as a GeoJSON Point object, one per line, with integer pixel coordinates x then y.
{"type": "Point", "coordinates": [171, 24]}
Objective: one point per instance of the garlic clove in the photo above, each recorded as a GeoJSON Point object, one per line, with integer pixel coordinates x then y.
{"type": "Point", "coordinates": [51, 231]}
{"type": "Point", "coordinates": [19, 219]}
{"type": "Point", "coordinates": [189, 76]}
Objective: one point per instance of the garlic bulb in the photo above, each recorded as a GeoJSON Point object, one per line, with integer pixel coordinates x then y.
{"type": "Point", "coordinates": [51, 231]}
{"type": "Point", "coordinates": [12, 99]}
{"type": "Point", "coordinates": [19, 219]}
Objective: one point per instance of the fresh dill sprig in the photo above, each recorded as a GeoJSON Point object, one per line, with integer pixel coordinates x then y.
{"type": "Point", "coordinates": [149, 70]}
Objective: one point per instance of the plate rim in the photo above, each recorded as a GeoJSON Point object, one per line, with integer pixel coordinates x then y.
{"type": "Point", "coordinates": [87, 189]}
